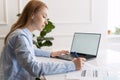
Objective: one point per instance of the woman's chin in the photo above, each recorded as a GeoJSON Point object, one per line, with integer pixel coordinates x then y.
{"type": "Point", "coordinates": [40, 29]}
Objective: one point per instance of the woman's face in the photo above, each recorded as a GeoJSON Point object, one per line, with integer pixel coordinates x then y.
{"type": "Point", "coordinates": [40, 19]}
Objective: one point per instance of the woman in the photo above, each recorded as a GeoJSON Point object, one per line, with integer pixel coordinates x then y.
{"type": "Point", "coordinates": [19, 56]}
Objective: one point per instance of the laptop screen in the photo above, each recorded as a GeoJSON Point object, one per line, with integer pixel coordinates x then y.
{"type": "Point", "coordinates": [86, 43]}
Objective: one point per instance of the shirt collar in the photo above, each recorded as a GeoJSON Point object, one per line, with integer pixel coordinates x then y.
{"type": "Point", "coordinates": [27, 31]}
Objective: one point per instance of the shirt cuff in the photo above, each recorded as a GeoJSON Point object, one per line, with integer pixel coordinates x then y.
{"type": "Point", "coordinates": [70, 66]}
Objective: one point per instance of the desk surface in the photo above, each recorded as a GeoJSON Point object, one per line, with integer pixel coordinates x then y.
{"type": "Point", "coordinates": [108, 59]}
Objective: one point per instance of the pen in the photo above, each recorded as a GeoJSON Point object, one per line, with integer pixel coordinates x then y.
{"type": "Point", "coordinates": [76, 55]}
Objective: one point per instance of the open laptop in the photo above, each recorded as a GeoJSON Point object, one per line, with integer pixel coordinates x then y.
{"type": "Point", "coordinates": [85, 44]}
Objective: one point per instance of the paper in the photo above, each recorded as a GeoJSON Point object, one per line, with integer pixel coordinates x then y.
{"type": "Point", "coordinates": [89, 72]}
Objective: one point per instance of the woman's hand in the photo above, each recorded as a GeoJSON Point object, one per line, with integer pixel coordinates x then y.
{"type": "Point", "coordinates": [79, 62]}
{"type": "Point", "coordinates": [58, 53]}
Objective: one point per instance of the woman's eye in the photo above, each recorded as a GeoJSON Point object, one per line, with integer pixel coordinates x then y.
{"type": "Point", "coordinates": [44, 17]}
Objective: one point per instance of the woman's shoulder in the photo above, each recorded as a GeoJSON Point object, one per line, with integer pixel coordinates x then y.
{"type": "Point", "coordinates": [18, 32]}
{"type": "Point", "coordinates": [13, 36]}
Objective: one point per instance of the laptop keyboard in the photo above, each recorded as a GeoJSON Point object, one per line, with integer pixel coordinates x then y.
{"type": "Point", "coordinates": [65, 57]}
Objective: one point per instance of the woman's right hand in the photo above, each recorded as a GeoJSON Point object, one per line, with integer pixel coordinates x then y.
{"type": "Point", "coordinates": [79, 62]}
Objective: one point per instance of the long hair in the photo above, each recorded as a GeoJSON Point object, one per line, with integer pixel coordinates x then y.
{"type": "Point", "coordinates": [30, 9]}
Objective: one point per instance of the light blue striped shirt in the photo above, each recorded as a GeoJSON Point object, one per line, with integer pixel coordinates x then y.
{"type": "Point", "coordinates": [18, 59]}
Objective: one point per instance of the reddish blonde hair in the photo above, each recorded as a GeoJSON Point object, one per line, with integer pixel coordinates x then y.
{"type": "Point", "coordinates": [30, 9]}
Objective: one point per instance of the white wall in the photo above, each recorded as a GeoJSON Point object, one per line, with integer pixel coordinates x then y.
{"type": "Point", "coordinates": [67, 20]}
{"type": "Point", "coordinates": [11, 11]}
{"type": "Point", "coordinates": [64, 30]}
{"type": "Point", "coordinates": [113, 22]}
{"type": "Point", "coordinates": [114, 42]}
{"type": "Point", "coordinates": [113, 14]}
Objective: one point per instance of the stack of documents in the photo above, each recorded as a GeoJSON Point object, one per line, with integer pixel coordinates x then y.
{"type": "Point", "coordinates": [89, 72]}
{"type": "Point", "coordinates": [88, 75]}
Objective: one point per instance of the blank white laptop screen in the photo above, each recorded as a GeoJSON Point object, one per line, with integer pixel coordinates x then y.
{"type": "Point", "coordinates": [86, 43]}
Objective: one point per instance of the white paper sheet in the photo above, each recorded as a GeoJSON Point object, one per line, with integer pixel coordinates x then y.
{"type": "Point", "coordinates": [89, 72]}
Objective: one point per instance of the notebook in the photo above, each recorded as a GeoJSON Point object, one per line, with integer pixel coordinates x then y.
{"type": "Point", "coordinates": [85, 45]}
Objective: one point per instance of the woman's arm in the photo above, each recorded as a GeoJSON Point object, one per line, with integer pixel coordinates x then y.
{"type": "Point", "coordinates": [36, 68]}
{"type": "Point", "coordinates": [41, 53]}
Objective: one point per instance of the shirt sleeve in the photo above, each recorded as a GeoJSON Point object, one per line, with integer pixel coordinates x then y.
{"type": "Point", "coordinates": [41, 53]}
{"type": "Point", "coordinates": [36, 68]}
{"type": "Point", "coordinates": [58, 67]}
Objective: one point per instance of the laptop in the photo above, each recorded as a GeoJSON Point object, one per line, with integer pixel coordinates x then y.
{"type": "Point", "coordinates": [85, 45]}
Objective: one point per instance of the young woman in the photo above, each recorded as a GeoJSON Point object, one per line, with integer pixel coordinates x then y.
{"type": "Point", "coordinates": [19, 56]}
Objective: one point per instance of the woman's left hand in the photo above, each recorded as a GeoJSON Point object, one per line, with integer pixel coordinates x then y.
{"type": "Point", "coordinates": [58, 53]}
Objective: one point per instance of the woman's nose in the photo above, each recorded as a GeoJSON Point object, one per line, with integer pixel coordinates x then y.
{"type": "Point", "coordinates": [46, 22]}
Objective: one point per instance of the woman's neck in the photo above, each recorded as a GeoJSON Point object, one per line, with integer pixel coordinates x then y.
{"type": "Point", "coordinates": [30, 27]}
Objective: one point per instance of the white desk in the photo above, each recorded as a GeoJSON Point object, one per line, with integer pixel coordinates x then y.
{"type": "Point", "coordinates": [108, 59]}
